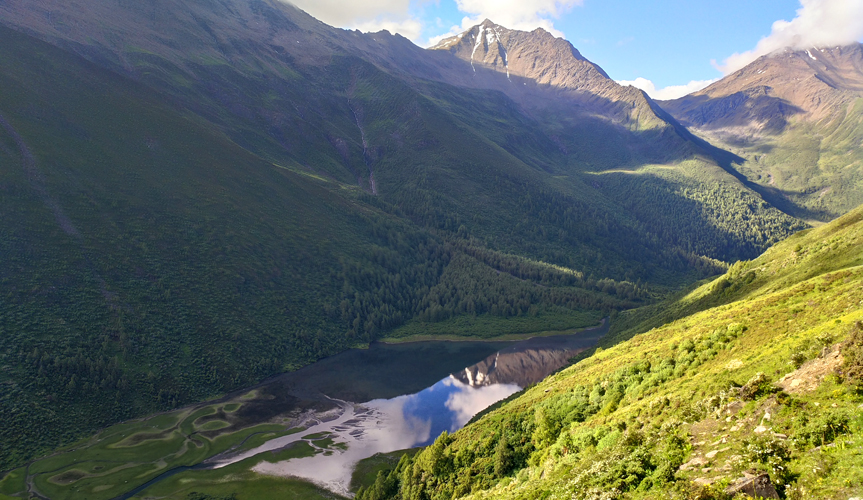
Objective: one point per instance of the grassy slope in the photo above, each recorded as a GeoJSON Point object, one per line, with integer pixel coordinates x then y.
{"type": "Point", "coordinates": [816, 166]}
{"type": "Point", "coordinates": [621, 422]}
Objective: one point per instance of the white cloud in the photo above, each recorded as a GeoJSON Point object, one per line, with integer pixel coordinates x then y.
{"type": "Point", "coordinates": [407, 27]}
{"type": "Point", "coordinates": [625, 41]}
{"type": "Point", "coordinates": [366, 15]}
{"type": "Point", "coordinates": [514, 14]}
{"type": "Point", "coordinates": [666, 93]}
{"type": "Point", "coordinates": [400, 16]}
{"type": "Point", "coordinates": [819, 23]}
{"type": "Point", "coordinates": [467, 401]}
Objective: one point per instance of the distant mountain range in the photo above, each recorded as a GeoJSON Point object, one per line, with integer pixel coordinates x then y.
{"type": "Point", "coordinates": [198, 194]}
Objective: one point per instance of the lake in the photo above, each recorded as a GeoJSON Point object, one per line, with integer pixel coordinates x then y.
{"type": "Point", "coordinates": [394, 397]}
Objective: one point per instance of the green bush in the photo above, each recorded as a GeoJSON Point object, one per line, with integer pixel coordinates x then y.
{"type": "Point", "coordinates": [773, 455]}
{"type": "Point", "coordinates": [756, 386]}
{"type": "Point", "coordinates": [852, 352]}
{"type": "Point", "coordinates": [821, 430]}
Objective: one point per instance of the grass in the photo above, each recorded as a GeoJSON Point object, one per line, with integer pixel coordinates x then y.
{"type": "Point", "coordinates": [503, 337]}
{"type": "Point", "coordinates": [815, 165]}
{"type": "Point", "coordinates": [126, 455]}
{"type": "Point", "coordinates": [237, 480]}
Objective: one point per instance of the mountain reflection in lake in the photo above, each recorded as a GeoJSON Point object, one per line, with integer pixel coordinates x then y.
{"type": "Point", "coordinates": [359, 430]}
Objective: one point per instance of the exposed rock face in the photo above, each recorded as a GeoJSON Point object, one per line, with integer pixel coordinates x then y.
{"type": "Point", "coordinates": [538, 69]}
{"type": "Point", "coordinates": [521, 368]}
{"type": "Point", "coordinates": [753, 486]}
{"type": "Point", "coordinates": [764, 95]}
{"type": "Point", "coordinates": [536, 55]}
{"type": "Point", "coordinates": [809, 376]}
{"type": "Point", "coordinates": [529, 361]}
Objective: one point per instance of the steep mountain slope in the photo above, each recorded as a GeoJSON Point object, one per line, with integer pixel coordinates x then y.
{"type": "Point", "coordinates": [152, 261]}
{"type": "Point", "coordinates": [350, 106]}
{"type": "Point", "coordinates": [216, 191]}
{"type": "Point", "coordinates": [763, 390]}
{"type": "Point", "coordinates": [797, 119]}
{"type": "Point", "coordinates": [542, 71]}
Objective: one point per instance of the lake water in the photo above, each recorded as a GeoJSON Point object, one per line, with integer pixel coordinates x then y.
{"type": "Point", "coordinates": [392, 397]}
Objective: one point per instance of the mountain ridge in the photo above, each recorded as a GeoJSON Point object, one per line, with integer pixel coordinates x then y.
{"type": "Point", "coordinates": [793, 117]}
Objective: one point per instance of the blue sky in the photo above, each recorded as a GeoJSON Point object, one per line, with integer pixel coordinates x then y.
{"type": "Point", "coordinates": [651, 44]}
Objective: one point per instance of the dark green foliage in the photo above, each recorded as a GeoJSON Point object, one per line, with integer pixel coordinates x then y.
{"type": "Point", "coordinates": [201, 496]}
{"type": "Point", "coordinates": [756, 387]}
{"type": "Point", "coordinates": [385, 486]}
{"type": "Point", "coordinates": [503, 459]}
{"type": "Point", "coordinates": [819, 429]}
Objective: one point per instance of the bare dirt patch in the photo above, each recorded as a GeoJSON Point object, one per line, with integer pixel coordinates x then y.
{"type": "Point", "coordinates": [808, 377]}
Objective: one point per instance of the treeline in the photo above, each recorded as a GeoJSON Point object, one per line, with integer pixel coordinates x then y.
{"type": "Point", "coordinates": [412, 276]}
{"type": "Point", "coordinates": [545, 225]}
{"type": "Point", "coordinates": [469, 287]}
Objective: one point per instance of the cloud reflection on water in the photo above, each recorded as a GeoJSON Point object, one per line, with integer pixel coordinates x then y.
{"type": "Point", "coordinates": [385, 425]}
{"type": "Point", "coordinates": [467, 401]}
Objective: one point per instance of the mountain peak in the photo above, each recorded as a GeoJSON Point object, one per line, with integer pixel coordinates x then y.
{"type": "Point", "coordinates": [811, 83]}
{"type": "Point", "coordinates": [536, 55]}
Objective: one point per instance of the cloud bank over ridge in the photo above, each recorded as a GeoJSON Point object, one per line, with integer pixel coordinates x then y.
{"type": "Point", "coordinates": [366, 15]}
{"type": "Point", "coordinates": [819, 23]}
{"type": "Point", "coordinates": [513, 14]}
{"type": "Point", "coordinates": [667, 93]}
{"type": "Point", "coordinates": [400, 16]}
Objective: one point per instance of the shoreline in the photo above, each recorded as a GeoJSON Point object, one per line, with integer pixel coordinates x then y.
{"type": "Point", "coordinates": [510, 337]}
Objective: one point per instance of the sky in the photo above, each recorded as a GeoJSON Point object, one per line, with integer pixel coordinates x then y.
{"type": "Point", "coordinates": [668, 48]}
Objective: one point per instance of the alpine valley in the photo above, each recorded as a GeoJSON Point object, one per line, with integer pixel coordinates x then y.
{"type": "Point", "coordinates": [199, 195]}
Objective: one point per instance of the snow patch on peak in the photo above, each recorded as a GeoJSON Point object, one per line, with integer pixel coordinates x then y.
{"type": "Point", "coordinates": [491, 36]}
{"type": "Point", "coordinates": [811, 56]}
{"type": "Point", "coordinates": [479, 38]}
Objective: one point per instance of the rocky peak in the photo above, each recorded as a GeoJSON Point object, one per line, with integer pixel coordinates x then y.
{"type": "Point", "coordinates": [536, 55]}
{"type": "Point", "coordinates": [810, 83]}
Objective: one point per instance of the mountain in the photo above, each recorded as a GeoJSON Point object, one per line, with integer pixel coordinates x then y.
{"type": "Point", "coordinates": [542, 71]}
{"type": "Point", "coordinates": [376, 111]}
{"type": "Point", "coordinates": [795, 118]}
{"type": "Point", "coordinates": [754, 391]}
{"type": "Point", "coordinates": [198, 194]}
